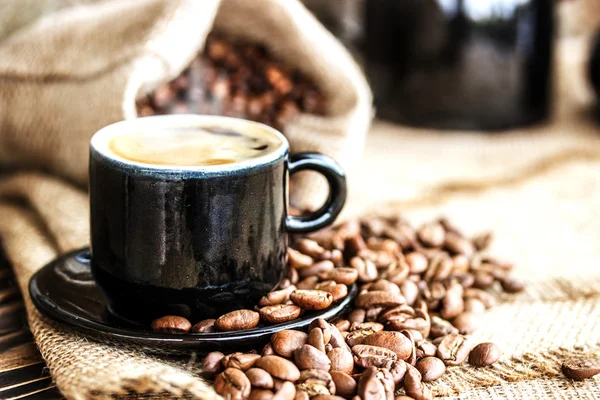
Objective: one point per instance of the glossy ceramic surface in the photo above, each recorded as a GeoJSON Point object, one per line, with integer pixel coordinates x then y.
{"type": "Point", "coordinates": [65, 291]}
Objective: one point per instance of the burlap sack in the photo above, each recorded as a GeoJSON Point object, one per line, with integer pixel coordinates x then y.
{"type": "Point", "coordinates": [80, 67]}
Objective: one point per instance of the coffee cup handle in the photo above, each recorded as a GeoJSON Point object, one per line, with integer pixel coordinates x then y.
{"type": "Point", "coordinates": [337, 191]}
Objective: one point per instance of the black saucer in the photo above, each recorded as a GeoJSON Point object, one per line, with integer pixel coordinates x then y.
{"type": "Point", "coordinates": [64, 290]}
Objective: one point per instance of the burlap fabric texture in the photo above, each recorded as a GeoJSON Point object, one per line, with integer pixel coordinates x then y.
{"type": "Point", "coordinates": [68, 68]}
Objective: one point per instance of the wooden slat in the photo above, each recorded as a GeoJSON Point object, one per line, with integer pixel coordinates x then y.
{"type": "Point", "coordinates": [20, 364]}
{"type": "Point", "coordinates": [50, 393]}
{"type": "Point", "coordinates": [25, 388]}
{"type": "Point", "coordinates": [12, 317]}
{"type": "Point", "coordinates": [9, 294]}
{"type": "Point", "coordinates": [13, 339]}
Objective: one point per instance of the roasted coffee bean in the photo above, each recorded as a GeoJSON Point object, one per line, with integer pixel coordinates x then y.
{"type": "Point", "coordinates": [327, 397]}
{"type": "Point", "coordinates": [480, 295]}
{"type": "Point", "coordinates": [410, 291]}
{"type": "Point", "coordinates": [398, 370]}
{"type": "Point", "coordinates": [466, 323]}
{"type": "Point", "coordinates": [261, 394]}
{"type": "Point", "coordinates": [212, 363]}
{"type": "Point", "coordinates": [374, 326]}
{"type": "Point", "coordinates": [453, 349]}
{"type": "Point", "coordinates": [171, 324]}
{"type": "Point", "coordinates": [357, 316]}
{"type": "Point", "coordinates": [298, 260]}
{"type": "Point", "coordinates": [474, 306]}
{"type": "Point", "coordinates": [237, 320]}
{"type": "Point", "coordinates": [287, 391]}
{"type": "Point", "coordinates": [301, 394]}
{"type": "Point", "coordinates": [417, 262]}
{"type": "Point", "coordinates": [311, 299]}
{"type": "Point", "coordinates": [308, 283]}
{"type": "Point", "coordinates": [373, 356]}
{"type": "Point", "coordinates": [367, 272]}
{"type": "Point", "coordinates": [316, 339]}
{"type": "Point", "coordinates": [233, 384]}
{"type": "Point", "coordinates": [338, 291]}
{"type": "Point", "coordinates": [343, 275]}
{"type": "Point", "coordinates": [317, 375]}
{"type": "Point", "coordinates": [341, 360]}
{"type": "Point", "coordinates": [309, 357]}
{"type": "Point", "coordinates": [384, 285]}
{"type": "Point", "coordinates": [459, 245]}
{"type": "Point", "coordinates": [375, 384]}
{"type": "Point", "coordinates": [358, 336]}
{"type": "Point", "coordinates": [277, 384]}
{"type": "Point", "coordinates": [414, 386]}
{"type": "Point", "coordinates": [440, 267]}
{"type": "Point", "coordinates": [482, 241]}
{"type": "Point", "coordinates": [403, 398]}
{"type": "Point", "coordinates": [313, 389]}
{"type": "Point", "coordinates": [379, 298]}
{"type": "Point", "coordinates": [287, 341]}
{"type": "Point", "coordinates": [259, 378]}
{"type": "Point", "coordinates": [425, 349]}
{"type": "Point", "coordinates": [580, 368]}
{"type": "Point", "coordinates": [343, 325]}
{"type": "Point", "coordinates": [268, 350]}
{"type": "Point", "coordinates": [321, 267]}
{"type": "Point", "coordinates": [482, 280]}
{"type": "Point", "coordinates": [205, 326]}
{"type": "Point", "coordinates": [412, 359]}
{"type": "Point", "coordinates": [345, 385]}
{"type": "Point", "coordinates": [243, 361]}
{"type": "Point", "coordinates": [512, 285]}
{"type": "Point", "coordinates": [460, 264]}
{"type": "Point", "coordinates": [394, 341]}
{"type": "Point", "coordinates": [485, 354]}
{"type": "Point", "coordinates": [277, 296]}
{"type": "Point", "coordinates": [452, 303]}
{"type": "Point", "coordinates": [279, 313]}
{"type": "Point", "coordinates": [310, 248]}
{"type": "Point", "coordinates": [432, 234]}
{"type": "Point", "coordinates": [279, 368]}
{"type": "Point", "coordinates": [431, 368]}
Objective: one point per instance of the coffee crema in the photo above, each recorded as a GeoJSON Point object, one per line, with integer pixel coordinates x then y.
{"type": "Point", "coordinates": [193, 146]}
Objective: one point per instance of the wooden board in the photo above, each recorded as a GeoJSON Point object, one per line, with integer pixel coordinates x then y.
{"type": "Point", "coordinates": [23, 373]}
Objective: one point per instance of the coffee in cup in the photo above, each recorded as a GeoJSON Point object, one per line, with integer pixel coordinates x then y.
{"type": "Point", "coordinates": [189, 213]}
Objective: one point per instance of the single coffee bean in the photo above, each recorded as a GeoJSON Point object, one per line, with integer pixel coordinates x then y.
{"type": "Point", "coordinates": [277, 384]}
{"type": "Point", "coordinates": [310, 248]}
{"type": "Point", "coordinates": [460, 264]}
{"type": "Point", "coordinates": [466, 323]}
{"type": "Point", "coordinates": [316, 339]}
{"type": "Point", "coordinates": [313, 389]}
{"type": "Point", "coordinates": [343, 325]}
{"type": "Point", "coordinates": [279, 313]}
{"type": "Point", "coordinates": [317, 375]}
{"type": "Point", "coordinates": [341, 360]}
{"type": "Point", "coordinates": [301, 394]}
{"type": "Point", "coordinates": [432, 234]}
{"type": "Point", "coordinates": [384, 285]}
{"type": "Point", "coordinates": [398, 370]}
{"type": "Point", "coordinates": [480, 295]}
{"type": "Point", "coordinates": [426, 349]}
{"type": "Point", "coordinates": [452, 303]}
{"type": "Point", "coordinates": [237, 320]}
{"type": "Point", "coordinates": [482, 241]}
{"type": "Point", "coordinates": [403, 398]}
{"type": "Point", "coordinates": [311, 299]}
{"type": "Point", "coordinates": [431, 368]}
{"type": "Point", "coordinates": [358, 336]}
{"type": "Point", "coordinates": [512, 285]}
{"type": "Point", "coordinates": [453, 349]}
{"type": "Point", "coordinates": [308, 283]}
{"type": "Point", "coordinates": [417, 262]}
{"type": "Point", "coordinates": [482, 279]}
{"type": "Point", "coordinates": [240, 361]}
{"type": "Point", "coordinates": [277, 296]}
{"type": "Point", "coordinates": [474, 306]}
{"type": "Point", "coordinates": [268, 350]}
{"type": "Point", "coordinates": [279, 368]}
{"type": "Point", "coordinates": [345, 385]}
{"type": "Point", "coordinates": [367, 272]}
{"type": "Point", "coordinates": [342, 275]}
{"type": "Point", "coordinates": [298, 260]}
{"type": "Point", "coordinates": [287, 391]}
{"type": "Point", "coordinates": [370, 325]}
{"type": "Point", "coordinates": [440, 267]}
{"type": "Point", "coordinates": [171, 324]}
{"type": "Point", "coordinates": [459, 245]}
{"type": "Point", "coordinates": [321, 267]}
{"type": "Point", "coordinates": [205, 326]}
{"type": "Point", "coordinates": [259, 378]}
{"type": "Point", "coordinates": [327, 397]}
{"type": "Point", "coordinates": [580, 368]}
{"type": "Point", "coordinates": [375, 384]}
{"type": "Point", "coordinates": [410, 291]}
{"type": "Point", "coordinates": [379, 298]}
{"type": "Point", "coordinates": [212, 363]}
{"type": "Point", "coordinates": [368, 356]}
{"type": "Point", "coordinates": [233, 384]}
{"type": "Point", "coordinates": [414, 386]}
{"type": "Point", "coordinates": [484, 354]}
{"type": "Point", "coordinates": [394, 341]}
{"type": "Point", "coordinates": [339, 291]}
{"type": "Point", "coordinates": [357, 316]}
{"type": "Point", "coordinates": [325, 326]}
{"type": "Point", "coordinates": [260, 394]}
{"type": "Point", "coordinates": [308, 357]}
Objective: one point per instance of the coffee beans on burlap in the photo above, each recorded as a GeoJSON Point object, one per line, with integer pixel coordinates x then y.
{"type": "Point", "coordinates": [421, 292]}
{"type": "Point", "coordinates": [237, 79]}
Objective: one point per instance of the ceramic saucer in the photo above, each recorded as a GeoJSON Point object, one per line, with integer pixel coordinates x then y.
{"type": "Point", "coordinates": [65, 290]}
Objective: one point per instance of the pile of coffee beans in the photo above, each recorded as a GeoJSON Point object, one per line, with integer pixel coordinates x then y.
{"type": "Point", "coordinates": [236, 79]}
{"type": "Point", "coordinates": [422, 291]}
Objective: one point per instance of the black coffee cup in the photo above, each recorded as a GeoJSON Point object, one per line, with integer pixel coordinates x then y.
{"type": "Point", "coordinates": [196, 241]}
